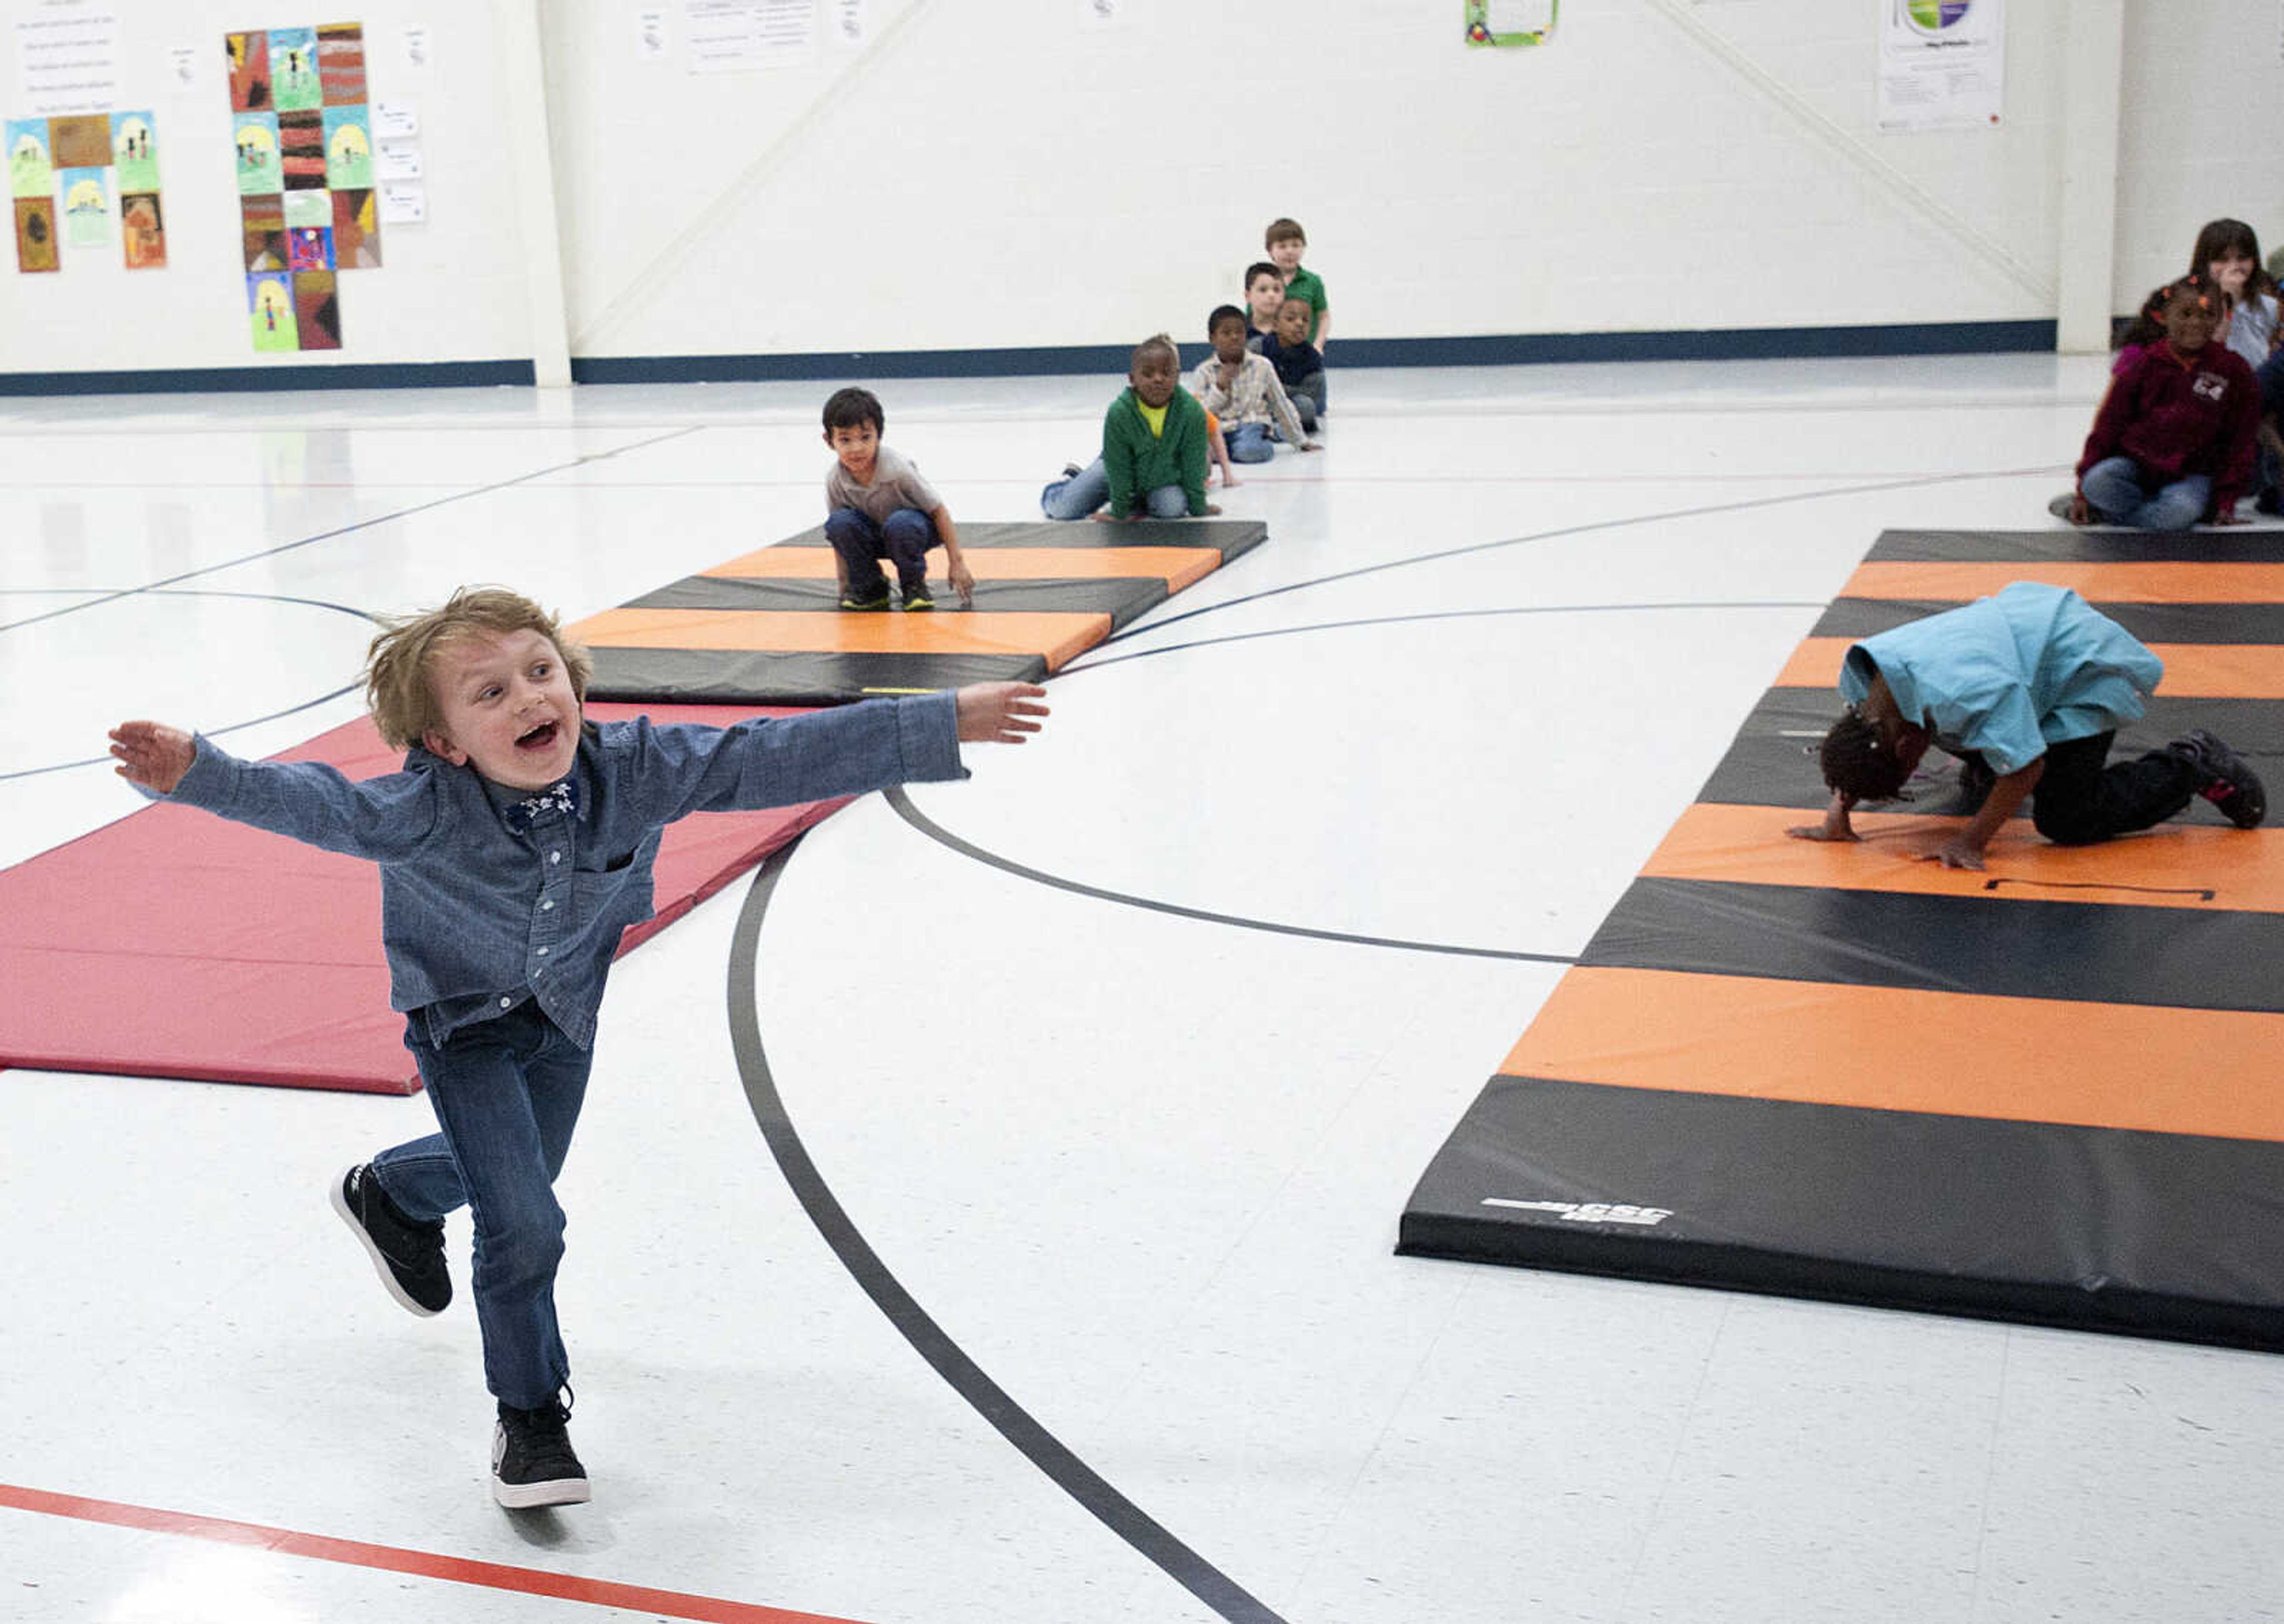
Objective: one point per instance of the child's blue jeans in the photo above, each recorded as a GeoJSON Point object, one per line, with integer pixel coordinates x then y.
{"type": "Point", "coordinates": [2118, 490]}
{"type": "Point", "coordinates": [506, 1093]}
{"type": "Point", "coordinates": [1247, 442]}
{"type": "Point", "coordinates": [1088, 488]}
{"type": "Point", "coordinates": [906, 537]}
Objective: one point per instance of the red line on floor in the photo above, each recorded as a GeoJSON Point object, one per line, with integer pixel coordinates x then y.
{"type": "Point", "coordinates": [388, 1558]}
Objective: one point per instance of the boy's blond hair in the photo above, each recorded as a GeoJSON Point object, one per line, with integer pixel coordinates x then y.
{"type": "Point", "coordinates": [397, 685]}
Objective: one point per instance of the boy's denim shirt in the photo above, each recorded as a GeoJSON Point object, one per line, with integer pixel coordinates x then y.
{"type": "Point", "coordinates": [475, 917]}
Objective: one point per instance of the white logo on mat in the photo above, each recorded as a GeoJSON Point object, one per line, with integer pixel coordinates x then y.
{"type": "Point", "coordinates": [1589, 1212]}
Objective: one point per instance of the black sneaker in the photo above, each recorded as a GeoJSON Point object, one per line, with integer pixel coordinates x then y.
{"type": "Point", "coordinates": [2226, 780]}
{"type": "Point", "coordinates": [408, 1256]}
{"type": "Point", "coordinates": [917, 597]}
{"type": "Point", "coordinates": [532, 1461]}
{"type": "Point", "coordinates": [867, 604]}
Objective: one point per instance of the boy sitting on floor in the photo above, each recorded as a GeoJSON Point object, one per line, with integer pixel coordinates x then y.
{"type": "Point", "coordinates": [877, 506]}
{"type": "Point", "coordinates": [1242, 389]}
{"type": "Point", "coordinates": [2027, 687]}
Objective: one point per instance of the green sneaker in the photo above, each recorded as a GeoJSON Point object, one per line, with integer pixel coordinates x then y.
{"type": "Point", "coordinates": [917, 598]}
{"type": "Point", "coordinates": [866, 605]}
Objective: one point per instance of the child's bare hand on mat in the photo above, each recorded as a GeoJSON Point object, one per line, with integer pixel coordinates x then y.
{"type": "Point", "coordinates": [1956, 853]}
{"type": "Point", "coordinates": [1834, 826]}
{"type": "Point", "coordinates": [999, 712]}
{"type": "Point", "coordinates": [963, 581]}
{"type": "Point", "coordinates": [153, 754]}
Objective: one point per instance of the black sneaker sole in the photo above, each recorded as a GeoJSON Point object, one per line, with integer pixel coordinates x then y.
{"type": "Point", "coordinates": [338, 1199]}
{"type": "Point", "coordinates": [531, 1497]}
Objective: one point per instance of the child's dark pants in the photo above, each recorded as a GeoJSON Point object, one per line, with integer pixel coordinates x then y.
{"type": "Point", "coordinates": [906, 538]}
{"type": "Point", "coordinates": [2083, 797]}
{"type": "Point", "coordinates": [506, 1093]}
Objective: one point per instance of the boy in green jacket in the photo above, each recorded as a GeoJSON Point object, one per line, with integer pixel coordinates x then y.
{"type": "Point", "coordinates": [1153, 450]}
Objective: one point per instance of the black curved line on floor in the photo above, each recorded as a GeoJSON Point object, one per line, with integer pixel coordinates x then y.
{"type": "Point", "coordinates": [235, 727]}
{"type": "Point", "coordinates": [918, 820]}
{"type": "Point", "coordinates": [1195, 1575]}
{"type": "Point", "coordinates": [362, 524]}
{"type": "Point", "coordinates": [1141, 628]}
{"type": "Point", "coordinates": [1084, 664]}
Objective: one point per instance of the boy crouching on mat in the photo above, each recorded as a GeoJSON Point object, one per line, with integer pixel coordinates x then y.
{"type": "Point", "coordinates": [514, 846]}
{"type": "Point", "coordinates": [877, 506]}
{"type": "Point", "coordinates": [2028, 687]}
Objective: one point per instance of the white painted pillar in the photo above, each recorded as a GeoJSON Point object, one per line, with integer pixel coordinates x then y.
{"type": "Point", "coordinates": [523, 84]}
{"type": "Point", "coordinates": [2092, 68]}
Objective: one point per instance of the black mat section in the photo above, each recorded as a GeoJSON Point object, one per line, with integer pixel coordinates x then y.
{"type": "Point", "coordinates": [1857, 618]}
{"type": "Point", "coordinates": [1773, 763]}
{"type": "Point", "coordinates": [1124, 599]}
{"type": "Point", "coordinates": [2003, 946]}
{"type": "Point", "coordinates": [1233, 538]}
{"type": "Point", "coordinates": [2238, 544]}
{"type": "Point", "coordinates": [2095, 1229]}
{"type": "Point", "coordinates": [715, 676]}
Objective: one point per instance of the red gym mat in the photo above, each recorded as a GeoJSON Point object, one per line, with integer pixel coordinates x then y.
{"type": "Point", "coordinates": [174, 944]}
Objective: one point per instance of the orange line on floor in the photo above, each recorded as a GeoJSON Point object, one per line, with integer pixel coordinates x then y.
{"type": "Point", "coordinates": [1059, 637]}
{"type": "Point", "coordinates": [2172, 866]}
{"type": "Point", "coordinates": [2132, 583]}
{"type": "Point", "coordinates": [389, 1559]}
{"type": "Point", "coordinates": [1176, 566]}
{"type": "Point", "coordinates": [2192, 670]}
{"type": "Point", "coordinates": [2159, 1070]}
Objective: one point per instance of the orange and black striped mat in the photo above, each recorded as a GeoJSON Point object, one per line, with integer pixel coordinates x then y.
{"type": "Point", "coordinates": [767, 629]}
{"type": "Point", "coordinates": [2044, 1092]}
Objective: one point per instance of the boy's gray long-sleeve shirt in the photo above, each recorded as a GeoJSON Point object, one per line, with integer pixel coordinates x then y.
{"type": "Point", "coordinates": [476, 917]}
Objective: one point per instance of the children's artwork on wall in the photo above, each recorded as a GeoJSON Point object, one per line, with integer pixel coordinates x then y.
{"type": "Point", "coordinates": [310, 247]}
{"type": "Point", "coordinates": [293, 81]}
{"type": "Point", "coordinates": [31, 166]}
{"type": "Point", "coordinates": [302, 149]}
{"type": "Point", "coordinates": [142, 231]}
{"type": "Point", "coordinates": [36, 234]}
{"type": "Point", "coordinates": [249, 72]}
{"type": "Point", "coordinates": [258, 166]}
{"type": "Point", "coordinates": [87, 207]}
{"type": "Point", "coordinates": [340, 63]}
{"type": "Point", "coordinates": [348, 148]}
{"type": "Point", "coordinates": [81, 142]}
{"type": "Point", "coordinates": [135, 151]}
{"type": "Point", "coordinates": [1511, 22]}
{"type": "Point", "coordinates": [263, 219]}
{"type": "Point", "coordinates": [270, 302]}
{"type": "Point", "coordinates": [316, 313]}
{"type": "Point", "coordinates": [356, 232]}
{"type": "Point", "coordinates": [308, 208]}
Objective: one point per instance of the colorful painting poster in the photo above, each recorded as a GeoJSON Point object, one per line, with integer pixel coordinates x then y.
{"type": "Point", "coordinates": [142, 231]}
{"type": "Point", "coordinates": [310, 247]}
{"type": "Point", "coordinates": [135, 151]}
{"type": "Point", "coordinates": [249, 72]}
{"type": "Point", "coordinates": [80, 143]}
{"type": "Point", "coordinates": [302, 149]}
{"type": "Point", "coordinates": [258, 168]}
{"type": "Point", "coordinates": [340, 63]}
{"type": "Point", "coordinates": [307, 209]}
{"type": "Point", "coordinates": [293, 81]}
{"type": "Point", "coordinates": [36, 234]}
{"type": "Point", "coordinates": [316, 313]}
{"type": "Point", "coordinates": [270, 304]}
{"type": "Point", "coordinates": [31, 169]}
{"type": "Point", "coordinates": [1511, 22]}
{"type": "Point", "coordinates": [87, 207]}
{"type": "Point", "coordinates": [263, 219]}
{"type": "Point", "coordinates": [356, 232]}
{"type": "Point", "coordinates": [348, 148]}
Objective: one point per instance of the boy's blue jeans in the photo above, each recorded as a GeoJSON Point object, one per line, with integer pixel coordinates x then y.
{"type": "Point", "coordinates": [1247, 442]}
{"type": "Point", "coordinates": [1088, 488]}
{"type": "Point", "coordinates": [906, 537]}
{"type": "Point", "coordinates": [506, 1093]}
{"type": "Point", "coordinates": [2118, 490]}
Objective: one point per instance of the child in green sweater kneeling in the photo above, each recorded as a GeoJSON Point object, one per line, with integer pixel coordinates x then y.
{"type": "Point", "coordinates": [1153, 450]}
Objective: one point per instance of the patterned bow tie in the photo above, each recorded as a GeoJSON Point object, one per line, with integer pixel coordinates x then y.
{"type": "Point", "coordinates": [562, 798]}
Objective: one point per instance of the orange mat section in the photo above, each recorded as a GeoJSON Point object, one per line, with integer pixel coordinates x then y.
{"type": "Point", "coordinates": [2099, 583]}
{"type": "Point", "coordinates": [2160, 1070]}
{"type": "Point", "coordinates": [2174, 865]}
{"type": "Point", "coordinates": [2192, 670]}
{"type": "Point", "coordinates": [1176, 566]}
{"type": "Point", "coordinates": [1056, 637]}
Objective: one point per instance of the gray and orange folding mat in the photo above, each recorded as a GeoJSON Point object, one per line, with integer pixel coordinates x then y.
{"type": "Point", "coordinates": [175, 944]}
{"type": "Point", "coordinates": [2046, 1092]}
{"type": "Point", "coordinates": [766, 628]}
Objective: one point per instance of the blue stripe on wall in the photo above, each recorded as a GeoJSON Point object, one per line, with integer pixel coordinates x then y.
{"type": "Point", "coordinates": [247, 379]}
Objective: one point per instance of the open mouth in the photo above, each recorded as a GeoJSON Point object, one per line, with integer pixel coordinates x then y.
{"type": "Point", "coordinates": [540, 738]}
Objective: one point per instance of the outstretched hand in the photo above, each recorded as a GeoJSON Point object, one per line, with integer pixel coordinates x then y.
{"type": "Point", "coordinates": [998, 712]}
{"type": "Point", "coordinates": [153, 754]}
